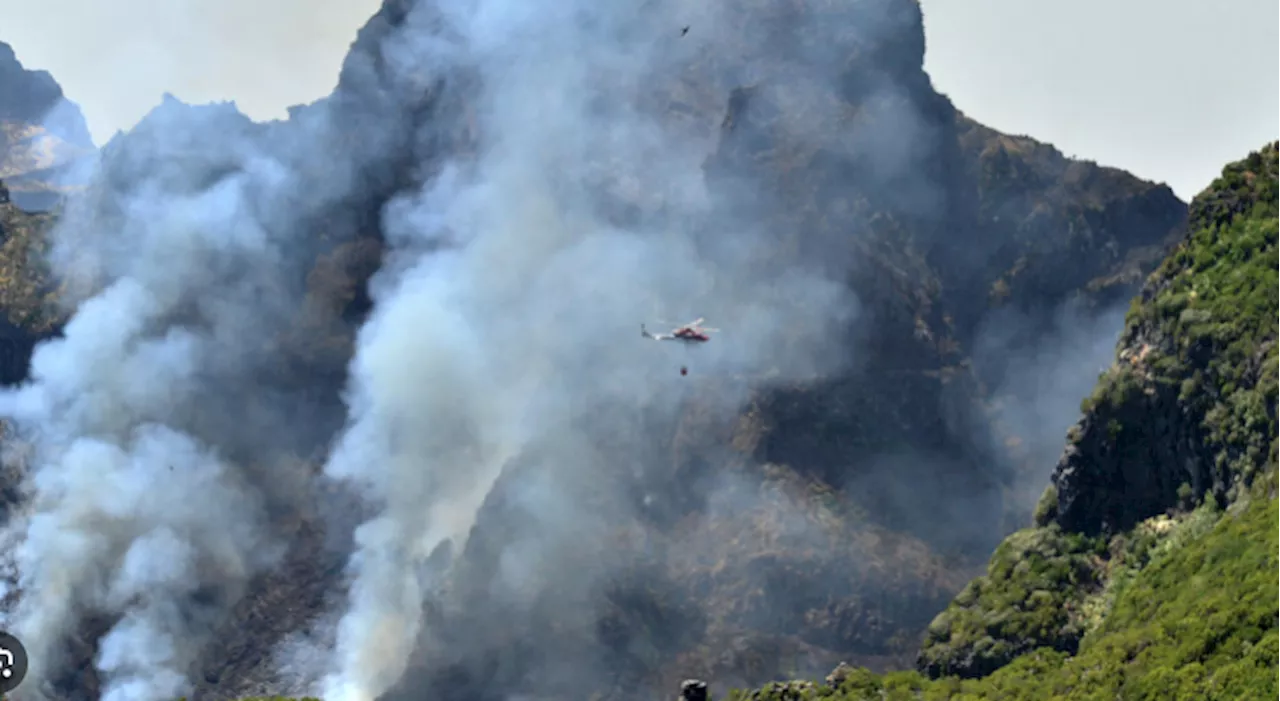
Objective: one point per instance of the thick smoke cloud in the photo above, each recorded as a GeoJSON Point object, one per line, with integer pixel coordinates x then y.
{"type": "Point", "coordinates": [526, 320]}
{"type": "Point", "coordinates": [536, 207]}
{"type": "Point", "coordinates": [159, 423]}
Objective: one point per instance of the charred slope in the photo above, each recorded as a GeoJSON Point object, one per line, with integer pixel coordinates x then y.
{"type": "Point", "coordinates": [881, 465]}
{"type": "Point", "coordinates": [299, 355]}
{"type": "Point", "coordinates": [867, 493]}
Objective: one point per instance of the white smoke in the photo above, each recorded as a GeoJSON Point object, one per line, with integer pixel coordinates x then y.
{"type": "Point", "coordinates": [531, 314]}
{"type": "Point", "coordinates": [508, 307]}
{"type": "Point", "coordinates": [151, 475]}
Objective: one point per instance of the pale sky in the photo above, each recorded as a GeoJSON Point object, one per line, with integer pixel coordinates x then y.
{"type": "Point", "coordinates": [116, 58]}
{"type": "Point", "coordinates": [1168, 89]}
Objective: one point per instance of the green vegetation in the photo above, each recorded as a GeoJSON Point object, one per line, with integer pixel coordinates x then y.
{"type": "Point", "coordinates": [271, 698]}
{"type": "Point", "coordinates": [1030, 597]}
{"type": "Point", "coordinates": [1207, 324]}
{"type": "Point", "coordinates": [1217, 303]}
{"type": "Point", "coordinates": [27, 297]}
{"type": "Point", "coordinates": [1179, 605]}
{"type": "Point", "coordinates": [1198, 622]}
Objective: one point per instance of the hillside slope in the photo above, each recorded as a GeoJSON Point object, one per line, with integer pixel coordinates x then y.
{"type": "Point", "coordinates": [27, 295]}
{"type": "Point", "coordinates": [882, 475]}
{"type": "Point", "coordinates": [42, 135]}
{"type": "Point", "coordinates": [1152, 570]}
{"type": "Point", "coordinates": [823, 518]}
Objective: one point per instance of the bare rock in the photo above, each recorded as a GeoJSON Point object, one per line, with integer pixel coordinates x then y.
{"type": "Point", "coordinates": [694, 690]}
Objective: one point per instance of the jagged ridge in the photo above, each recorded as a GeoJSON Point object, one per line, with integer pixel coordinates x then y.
{"type": "Point", "coordinates": [42, 134]}
{"type": "Point", "coordinates": [818, 439]}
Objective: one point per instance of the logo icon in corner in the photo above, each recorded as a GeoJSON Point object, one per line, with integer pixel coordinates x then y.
{"type": "Point", "coordinates": [13, 662]}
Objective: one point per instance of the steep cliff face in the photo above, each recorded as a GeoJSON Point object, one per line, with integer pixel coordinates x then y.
{"type": "Point", "coordinates": [934, 227]}
{"type": "Point", "coordinates": [29, 97]}
{"type": "Point", "coordinates": [1197, 362]}
{"type": "Point", "coordinates": [42, 133]}
{"type": "Point", "coordinates": [1181, 427]}
{"type": "Point", "coordinates": [828, 518]}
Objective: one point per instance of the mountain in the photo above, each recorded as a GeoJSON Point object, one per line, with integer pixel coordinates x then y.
{"type": "Point", "coordinates": [859, 500]}
{"type": "Point", "coordinates": [1003, 214]}
{"type": "Point", "coordinates": [1151, 569]}
{"type": "Point", "coordinates": [42, 135]}
{"type": "Point", "coordinates": [818, 504]}
{"type": "Point", "coordinates": [27, 295]}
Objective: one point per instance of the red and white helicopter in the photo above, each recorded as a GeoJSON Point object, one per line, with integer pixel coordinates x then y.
{"type": "Point", "coordinates": [693, 332]}
{"type": "Point", "coordinates": [690, 334]}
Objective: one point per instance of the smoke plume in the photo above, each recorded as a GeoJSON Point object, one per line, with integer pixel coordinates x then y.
{"type": "Point", "coordinates": [523, 316]}
{"type": "Point", "coordinates": [537, 202]}
{"type": "Point", "coordinates": [160, 422]}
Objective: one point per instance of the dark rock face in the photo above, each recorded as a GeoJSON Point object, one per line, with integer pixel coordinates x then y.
{"type": "Point", "coordinates": [693, 690]}
{"type": "Point", "coordinates": [1186, 413]}
{"type": "Point", "coordinates": [1164, 447]}
{"type": "Point", "coordinates": [42, 135]}
{"type": "Point", "coordinates": [869, 493]}
{"type": "Point", "coordinates": [922, 229]}
{"type": "Point", "coordinates": [1050, 228]}
{"type": "Point", "coordinates": [1190, 404]}
{"type": "Point", "coordinates": [34, 97]}
{"type": "Point", "coordinates": [16, 347]}
{"type": "Point", "coordinates": [959, 223]}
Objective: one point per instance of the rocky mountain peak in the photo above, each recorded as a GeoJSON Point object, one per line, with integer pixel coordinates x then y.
{"type": "Point", "coordinates": [788, 516]}
{"type": "Point", "coordinates": [34, 98]}
{"type": "Point", "coordinates": [41, 134]}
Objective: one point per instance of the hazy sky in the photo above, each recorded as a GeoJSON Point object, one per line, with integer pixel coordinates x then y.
{"type": "Point", "coordinates": [1168, 89]}
{"type": "Point", "coordinates": [117, 57]}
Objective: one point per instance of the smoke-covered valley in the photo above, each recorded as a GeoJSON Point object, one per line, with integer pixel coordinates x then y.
{"type": "Point", "coordinates": [356, 404]}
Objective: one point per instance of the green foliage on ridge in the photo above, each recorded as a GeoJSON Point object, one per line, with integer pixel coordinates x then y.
{"type": "Point", "coordinates": [1197, 623]}
{"type": "Point", "coordinates": [1181, 605]}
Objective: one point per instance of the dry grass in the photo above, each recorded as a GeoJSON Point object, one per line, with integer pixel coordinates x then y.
{"type": "Point", "coordinates": [28, 296]}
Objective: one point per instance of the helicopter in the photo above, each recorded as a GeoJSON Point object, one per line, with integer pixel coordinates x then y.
{"type": "Point", "coordinates": [691, 333]}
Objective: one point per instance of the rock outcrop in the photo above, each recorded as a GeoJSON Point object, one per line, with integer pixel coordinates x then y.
{"type": "Point", "coordinates": [43, 135]}
{"type": "Point", "coordinates": [35, 98]}
{"type": "Point", "coordinates": [693, 690]}
{"type": "Point", "coordinates": [956, 222]}
{"type": "Point", "coordinates": [1189, 408]}
{"type": "Point", "coordinates": [1181, 425]}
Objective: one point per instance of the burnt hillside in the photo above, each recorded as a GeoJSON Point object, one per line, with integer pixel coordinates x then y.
{"type": "Point", "coordinates": [739, 525]}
